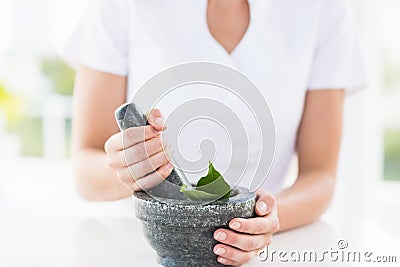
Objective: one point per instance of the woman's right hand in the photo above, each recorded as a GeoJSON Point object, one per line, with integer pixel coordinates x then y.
{"type": "Point", "coordinates": [137, 154]}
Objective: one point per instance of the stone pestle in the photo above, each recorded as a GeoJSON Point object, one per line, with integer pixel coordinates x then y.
{"type": "Point", "coordinates": [129, 115]}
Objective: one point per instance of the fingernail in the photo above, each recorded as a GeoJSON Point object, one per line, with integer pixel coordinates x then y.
{"type": "Point", "coordinates": [221, 236]}
{"type": "Point", "coordinates": [235, 225]}
{"type": "Point", "coordinates": [220, 251]}
{"type": "Point", "coordinates": [222, 260]}
{"type": "Point", "coordinates": [159, 121]}
{"type": "Point", "coordinates": [170, 166]}
{"type": "Point", "coordinates": [262, 206]}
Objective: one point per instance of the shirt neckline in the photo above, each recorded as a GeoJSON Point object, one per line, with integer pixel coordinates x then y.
{"type": "Point", "coordinates": [243, 40]}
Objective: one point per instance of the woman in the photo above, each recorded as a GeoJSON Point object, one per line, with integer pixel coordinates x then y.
{"type": "Point", "coordinates": [303, 55]}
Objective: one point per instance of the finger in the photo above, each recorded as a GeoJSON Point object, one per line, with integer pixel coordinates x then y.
{"type": "Point", "coordinates": [144, 167]}
{"type": "Point", "coordinates": [265, 203]}
{"type": "Point", "coordinates": [227, 262]}
{"type": "Point", "coordinates": [244, 242]}
{"type": "Point", "coordinates": [146, 182]}
{"type": "Point", "coordinates": [255, 226]}
{"type": "Point", "coordinates": [129, 137]}
{"type": "Point", "coordinates": [156, 119]}
{"type": "Point", "coordinates": [155, 178]}
{"type": "Point", "coordinates": [126, 178]}
{"type": "Point", "coordinates": [138, 152]}
{"type": "Point", "coordinates": [233, 256]}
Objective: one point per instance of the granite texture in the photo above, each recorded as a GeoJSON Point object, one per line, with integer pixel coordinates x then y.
{"type": "Point", "coordinates": [181, 231]}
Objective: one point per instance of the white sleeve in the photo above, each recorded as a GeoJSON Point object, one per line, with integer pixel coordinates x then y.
{"type": "Point", "coordinates": [338, 61]}
{"type": "Point", "coordinates": [100, 40]}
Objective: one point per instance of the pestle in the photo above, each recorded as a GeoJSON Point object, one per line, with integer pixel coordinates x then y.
{"type": "Point", "coordinates": [129, 115]}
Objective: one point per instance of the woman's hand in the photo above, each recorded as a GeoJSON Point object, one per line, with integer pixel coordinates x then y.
{"type": "Point", "coordinates": [249, 235]}
{"type": "Point", "coordinates": [137, 154]}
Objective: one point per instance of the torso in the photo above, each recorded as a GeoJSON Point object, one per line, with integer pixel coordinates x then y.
{"type": "Point", "coordinates": [277, 59]}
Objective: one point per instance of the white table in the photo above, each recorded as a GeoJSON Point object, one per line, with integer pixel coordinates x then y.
{"type": "Point", "coordinates": [44, 223]}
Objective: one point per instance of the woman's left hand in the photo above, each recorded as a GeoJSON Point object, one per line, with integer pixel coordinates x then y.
{"type": "Point", "coordinates": [249, 235]}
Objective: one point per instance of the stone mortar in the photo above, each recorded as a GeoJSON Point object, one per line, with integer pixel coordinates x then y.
{"type": "Point", "coordinates": [181, 231]}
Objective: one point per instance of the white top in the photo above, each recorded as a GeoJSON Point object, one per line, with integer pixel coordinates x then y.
{"type": "Point", "coordinates": [290, 47]}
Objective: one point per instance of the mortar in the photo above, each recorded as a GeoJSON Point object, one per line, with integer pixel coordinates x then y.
{"type": "Point", "coordinates": [181, 231]}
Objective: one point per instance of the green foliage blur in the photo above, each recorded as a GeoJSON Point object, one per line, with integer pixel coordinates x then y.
{"type": "Point", "coordinates": [392, 155]}
{"type": "Point", "coordinates": [391, 137]}
{"type": "Point", "coordinates": [28, 128]}
{"type": "Point", "coordinates": [59, 74]}
{"type": "Point", "coordinates": [29, 132]}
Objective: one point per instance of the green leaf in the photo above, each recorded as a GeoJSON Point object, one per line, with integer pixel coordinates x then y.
{"type": "Point", "coordinates": [194, 194]}
{"type": "Point", "coordinates": [210, 187]}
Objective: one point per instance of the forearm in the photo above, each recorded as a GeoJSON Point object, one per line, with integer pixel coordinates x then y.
{"type": "Point", "coordinates": [306, 199]}
{"type": "Point", "coordinates": [94, 179]}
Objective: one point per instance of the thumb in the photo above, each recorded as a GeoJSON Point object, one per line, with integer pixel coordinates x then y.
{"type": "Point", "coordinates": [265, 203]}
{"type": "Point", "coordinates": [156, 119]}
